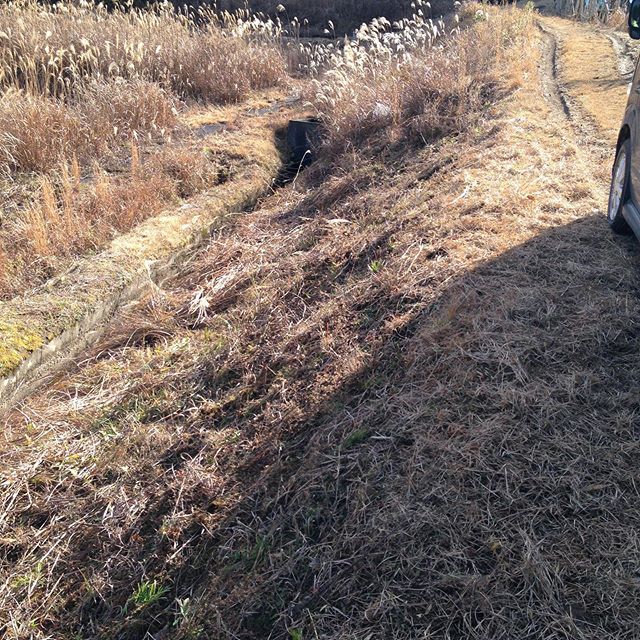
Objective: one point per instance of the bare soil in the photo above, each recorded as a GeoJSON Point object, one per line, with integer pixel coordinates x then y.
{"type": "Point", "coordinates": [592, 68]}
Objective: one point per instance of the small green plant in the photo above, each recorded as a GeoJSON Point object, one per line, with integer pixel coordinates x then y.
{"type": "Point", "coordinates": [29, 579]}
{"type": "Point", "coordinates": [355, 438]}
{"type": "Point", "coordinates": [183, 605]}
{"type": "Point", "coordinates": [147, 593]}
{"type": "Point", "coordinates": [252, 556]}
{"type": "Point", "coordinates": [296, 634]}
{"type": "Point", "coordinates": [375, 266]}
{"type": "Point", "coordinates": [109, 431]}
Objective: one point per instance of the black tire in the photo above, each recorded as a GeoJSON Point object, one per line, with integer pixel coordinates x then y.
{"type": "Point", "coordinates": [614, 217]}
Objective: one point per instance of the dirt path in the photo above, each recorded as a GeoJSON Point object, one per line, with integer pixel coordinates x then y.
{"type": "Point", "coordinates": [591, 69]}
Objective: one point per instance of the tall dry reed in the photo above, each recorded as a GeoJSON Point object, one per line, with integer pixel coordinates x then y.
{"type": "Point", "coordinates": [424, 77]}
{"type": "Point", "coordinates": [81, 86]}
{"type": "Point", "coordinates": [50, 49]}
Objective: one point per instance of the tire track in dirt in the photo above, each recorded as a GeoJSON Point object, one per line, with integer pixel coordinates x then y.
{"type": "Point", "coordinates": [550, 85]}
{"type": "Point", "coordinates": [589, 69]}
{"type": "Point", "coordinates": [625, 54]}
{"type": "Point", "coordinates": [560, 99]}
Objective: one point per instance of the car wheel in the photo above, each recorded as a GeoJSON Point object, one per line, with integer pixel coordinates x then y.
{"type": "Point", "coordinates": [619, 192]}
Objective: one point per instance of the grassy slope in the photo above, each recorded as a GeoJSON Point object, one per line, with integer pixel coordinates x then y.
{"type": "Point", "coordinates": [248, 152]}
{"type": "Point", "coordinates": [409, 413]}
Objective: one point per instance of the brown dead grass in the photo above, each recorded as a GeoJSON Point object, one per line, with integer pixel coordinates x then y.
{"type": "Point", "coordinates": [248, 159]}
{"type": "Point", "coordinates": [74, 220]}
{"type": "Point", "coordinates": [417, 84]}
{"type": "Point", "coordinates": [51, 49]}
{"type": "Point", "coordinates": [72, 215]}
{"type": "Point", "coordinates": [395, 402]}
{"type": "Point", "coordinates": [39, 132]}
{"type": "Point", "coordinates": [77, 212]}
{"type": "Point", "coordinates": [92, 136]}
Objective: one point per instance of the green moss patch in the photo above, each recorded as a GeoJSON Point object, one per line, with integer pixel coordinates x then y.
{"type": "Point", "coordinates": [16, 343]}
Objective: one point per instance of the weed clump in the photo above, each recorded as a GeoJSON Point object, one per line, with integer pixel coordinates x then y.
{"type": "Point", "coordinates": [418, 78]}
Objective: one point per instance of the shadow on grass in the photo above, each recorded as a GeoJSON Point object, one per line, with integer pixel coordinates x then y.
{"type": "Point", "coordinates": [475, 479]}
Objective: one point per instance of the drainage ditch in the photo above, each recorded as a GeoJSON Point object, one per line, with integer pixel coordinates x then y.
{"type": "Point", "coordinates": [302, 138]}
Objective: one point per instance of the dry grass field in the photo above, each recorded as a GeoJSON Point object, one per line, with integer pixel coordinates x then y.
{"type": "Point", "coordinates": [93, 137]}
{"type": "Point", "coordinates": [394, 400]}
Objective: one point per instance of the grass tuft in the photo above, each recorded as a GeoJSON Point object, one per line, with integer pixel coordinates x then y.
{"type": "Point", "coordinates": [147, 593]}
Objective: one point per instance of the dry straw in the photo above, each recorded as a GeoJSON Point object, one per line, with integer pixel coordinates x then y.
{"type": "Point", "coordinates": [284, 455]}
{"type": "Point", "coordinates": [82, 85]}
